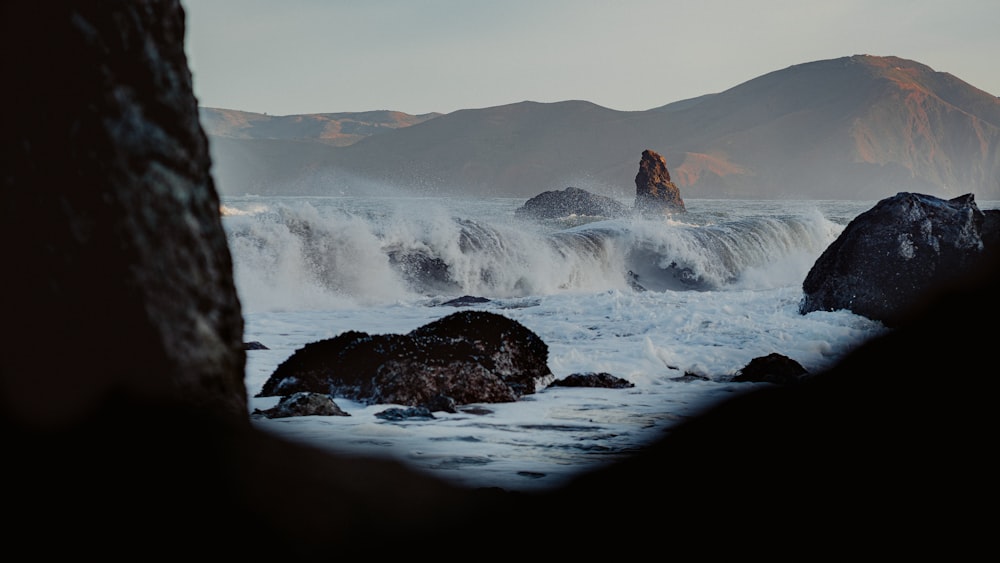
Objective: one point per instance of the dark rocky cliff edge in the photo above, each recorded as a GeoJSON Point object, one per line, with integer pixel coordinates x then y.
{"type": "Point", "coordinates": [123, 412]}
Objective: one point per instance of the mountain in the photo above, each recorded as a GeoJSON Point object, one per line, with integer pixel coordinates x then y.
{"type": "Point", "coordinates": [337, 129]}
{"type": "Point", "coordinates": [859, 127]}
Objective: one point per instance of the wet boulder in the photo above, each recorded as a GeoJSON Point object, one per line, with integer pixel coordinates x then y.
{"type": "Point", "coordinates": [772, 368]}
{"type": "Point", "coordinates": [469, 357]}
{"type": "Point", "coordinates": [556, 204]}
{"type": "Point", "coordinates": [892, 255]}
{"type": "Point", "coordinates": [396, 414]}
{"type": "Point", "coordinates": [465, 301]}
{"type": "Point", "coordinates": [303, 404]}
{"type": "Point", "coordinates": [602, 379]}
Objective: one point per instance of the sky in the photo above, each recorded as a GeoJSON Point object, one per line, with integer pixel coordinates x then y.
{"type": "Point", "coordinates": [326, 56]}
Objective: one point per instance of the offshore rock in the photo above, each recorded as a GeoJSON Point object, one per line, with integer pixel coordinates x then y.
{"type": "Point", "coordinates": [888, 257]}
{"type": "Point", "coordinates": [303, 404]}
{"type": "Point", "coordinates": [557, 204]}
{"type": "Point", "coordinates": [465, 301]}
{"type": "Point", "coordinates": [396, 413]}
{"type": "Point", "coordinates": [655, 194]}
{"type": "Point", "coordinates": [469, 357]}
{"type": "Point", "coordinates": [602, 379]}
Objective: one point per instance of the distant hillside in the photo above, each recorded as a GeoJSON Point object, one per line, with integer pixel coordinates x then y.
{"type": "Point", "coordinates": [860, 127]}
{"type": "Point", "coordinates": [337, 129]}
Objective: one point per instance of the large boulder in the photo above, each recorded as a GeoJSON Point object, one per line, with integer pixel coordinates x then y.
{"type": "Point", "coordinates": [557, 204]}
{"type": "Point", "coordinates": [655, 194]}
{"type": "Point", "coordinates": [111, 232]}
{"type": "Point", "coordinates": [891, 255]}
{"type": "Point", "coordinates": [469, 356]}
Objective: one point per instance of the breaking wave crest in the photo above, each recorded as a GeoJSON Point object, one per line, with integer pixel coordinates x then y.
{"type": "Point", "coordinates": [303, 255]}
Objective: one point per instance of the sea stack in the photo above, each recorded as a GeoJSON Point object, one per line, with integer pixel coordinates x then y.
{"type": "Point", "coordinates": [655, 194]}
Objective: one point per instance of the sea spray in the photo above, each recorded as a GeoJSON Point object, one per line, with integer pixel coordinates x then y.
{"type": "Point", "coordinates": [653, 339]}
{"type": "Point", "coordinates": [293, 257]}
{"type": "Point", "coordinates": [752, 252]}
{"type": "Point", "coordinates": [337, 252]}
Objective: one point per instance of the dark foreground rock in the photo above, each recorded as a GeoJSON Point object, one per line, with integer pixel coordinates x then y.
{"type": "Point", "coordinates": [889, 256]}
{"type": "Point", "coordinates": [469, 357]}
{"type": "Point", "coordinates": [886, 453]}
{"type": "Point", "coordinates": [655, 194]}
{"type": "Point", "coordinates": [102, 149]}
{"type": "Point", "coordinates": [772, 368]}
{"type": "Point", "coordinates": [557, 204]}
{"type": "Point", "coordinates": [602, 379]}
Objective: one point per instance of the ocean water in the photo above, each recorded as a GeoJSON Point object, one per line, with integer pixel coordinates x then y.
{"type": "Point", "coordinates": [653, 301]}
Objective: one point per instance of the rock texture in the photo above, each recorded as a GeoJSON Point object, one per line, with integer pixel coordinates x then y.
{"type": "Point", "coordinates": [398, 414]}
{"type": "Point", "coordinates": [303, 404]}
{"type": "Point", "coordinates": [654, 192]}
{"type": "Point", "coordinates": [469, 357]}
{"type": "Point", "coordinates": [571, 201]}
{"type": "Point", "coordinates": [602, 379]}
{"type": "Point", "coordinates": [891, 255]}
{"type": "Point", "coordinates": [108, 196]}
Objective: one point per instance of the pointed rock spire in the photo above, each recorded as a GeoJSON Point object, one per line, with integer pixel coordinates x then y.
{"type": "Point", "coordinates": [654, 192]}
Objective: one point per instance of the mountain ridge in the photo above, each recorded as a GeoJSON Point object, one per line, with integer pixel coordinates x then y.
{"type": "Point", "coordinates": [337, 129]}
{"type": "Point", "coordinates": [858, 127]}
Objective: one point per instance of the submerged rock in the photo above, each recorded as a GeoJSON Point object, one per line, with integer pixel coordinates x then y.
{"type": "Point", "coordinates": [888, 257]}
{"type": "Point", "coordinates": [556, 204]}
{"type": "Point", "coordinates": [468, 357]}
{"type": "Point", "coordinates": [655, 194]}
{"type": "Point", "coordinates": [465, 301]}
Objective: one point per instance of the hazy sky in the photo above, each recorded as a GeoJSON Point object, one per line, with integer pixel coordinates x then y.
{"type": "Point", "coordinates": [318, 56]}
